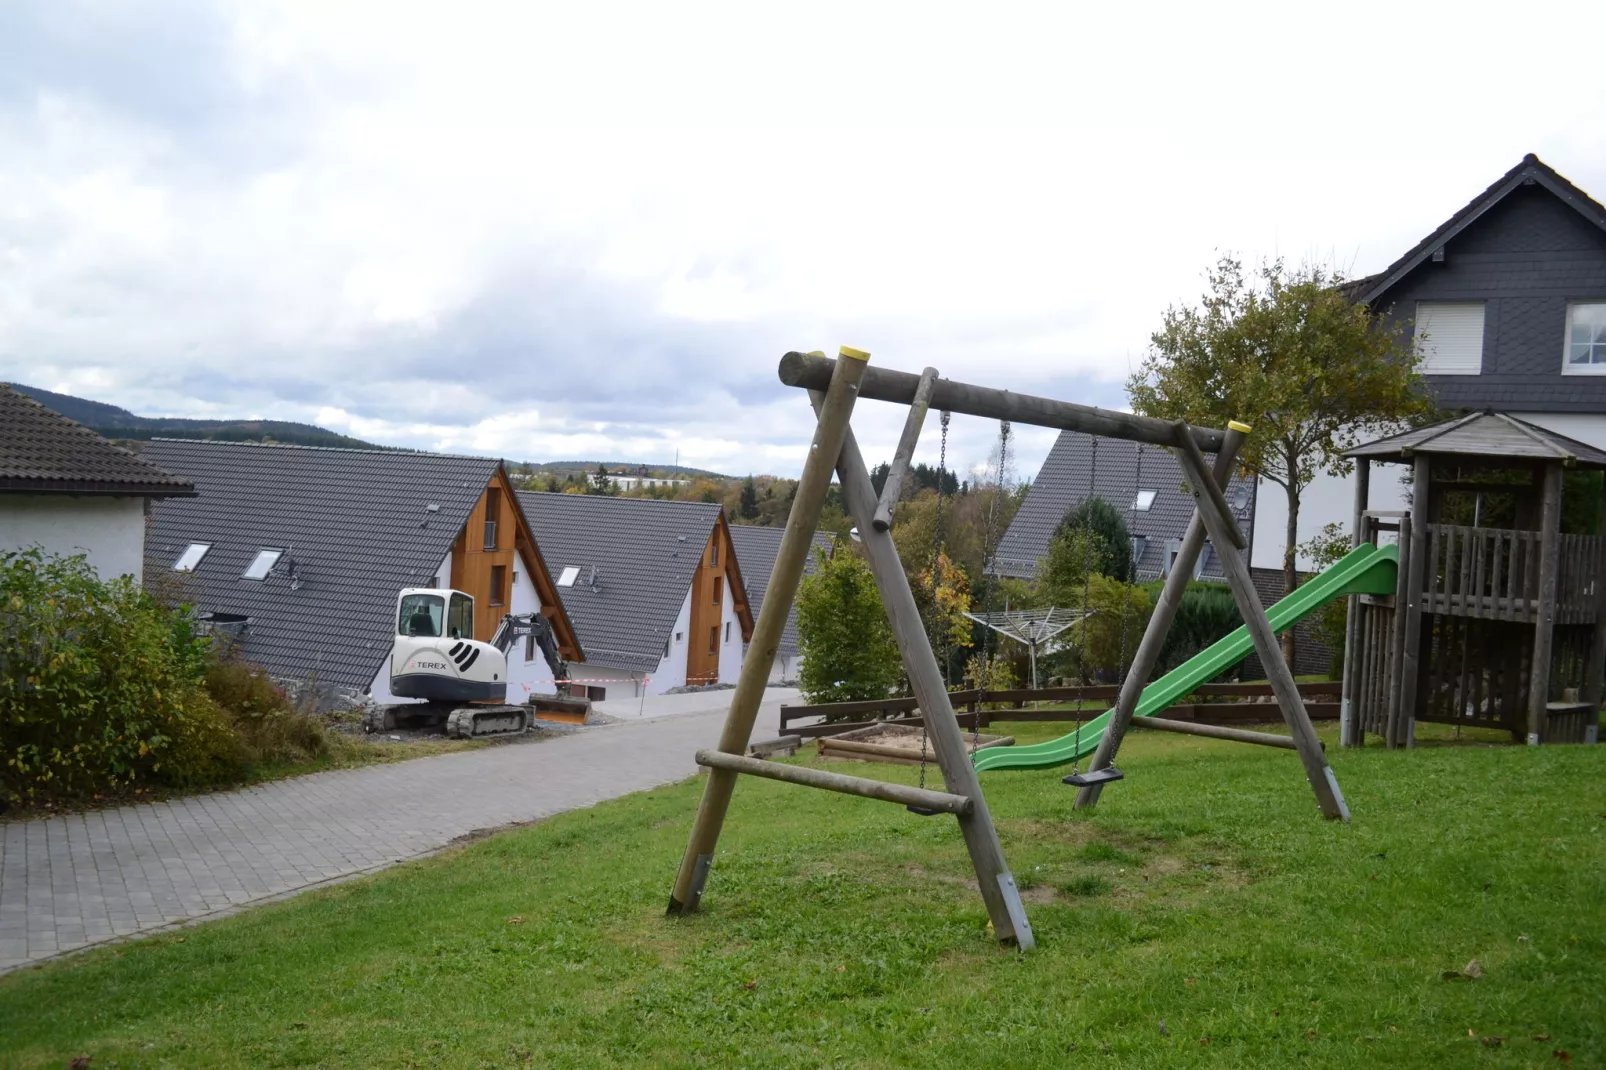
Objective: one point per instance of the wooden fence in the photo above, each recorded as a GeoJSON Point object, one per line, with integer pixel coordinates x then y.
{"type": "Point", "coordinates": [970, 707]}
{"type": "Point", "coordinates": [1493, 574]}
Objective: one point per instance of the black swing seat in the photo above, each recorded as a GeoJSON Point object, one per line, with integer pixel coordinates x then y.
{"type": "Point", "coordinates": [1093, 776]}
{"type": "Point", "coordinates": [923, 811]}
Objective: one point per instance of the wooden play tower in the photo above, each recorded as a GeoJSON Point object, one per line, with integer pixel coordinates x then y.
{"type": "Point", "coordinates": [1499, 616]}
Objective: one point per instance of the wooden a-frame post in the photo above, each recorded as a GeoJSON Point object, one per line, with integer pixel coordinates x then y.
{"type": "Point", "coordinates": [1160, 621]}
{"type": "Point", "coordinates": [796, 542]}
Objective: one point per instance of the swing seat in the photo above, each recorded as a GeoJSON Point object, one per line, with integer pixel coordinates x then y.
{"type": "Point", "coordinates": [923, 811]}
{"type": "Point", "coordinates": [1093, 776]}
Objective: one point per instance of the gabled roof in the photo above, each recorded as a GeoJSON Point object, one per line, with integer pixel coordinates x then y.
{"type": "Point", "coordinates": [356, 523]}
{"type": "Point", "coordinates": [756, 549]}
{"type": "Point", "coordinates": [1062, 484]}
{"type": "Point", "coordinates": [636, 558]}
{"type": "Point", "coordinates": [43, 452]}
{"type": "Point", "coordinates": [1484, 434]}
{"type": "Point", "coordinates": [1530, 170]}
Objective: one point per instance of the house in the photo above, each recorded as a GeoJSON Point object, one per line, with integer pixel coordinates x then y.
{"type": "Point", "coordinates": [68, 491]}
{"type": "Point", "coordinates": [1507, 298]}
{"type": "Point", "coordinates": [653, 587]}
{"type": "Point", "coordinates": [300, 552]}
{"type": "Point", "coordinates": [1143, 482]}
{"type": "Point", "coordinates": [756, 549]}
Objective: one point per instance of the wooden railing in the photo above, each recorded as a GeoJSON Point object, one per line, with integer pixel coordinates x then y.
{"type": "Point", "coordinates": [830, 718]}
{"type": "Point", "coordinates": [1493, 573]}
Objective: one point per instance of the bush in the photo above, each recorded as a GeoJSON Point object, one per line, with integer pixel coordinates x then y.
{"type": "Point", "coordinates": [101, 688]}
{"type": "Point", "coordinates": [269, 725]}
{"type": "Point", "coordinates": [1206, 614]}
{"type": "Point", "coordinates": [843, 637]}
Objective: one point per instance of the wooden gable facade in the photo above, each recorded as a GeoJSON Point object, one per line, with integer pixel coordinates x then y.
{"type": "Point", "coordinates": [718, 578]}
{"type": "Point", "coordinates": [493, 546]}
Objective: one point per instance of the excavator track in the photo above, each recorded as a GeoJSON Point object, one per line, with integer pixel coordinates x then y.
{"type": "Point", "coordinates": [475, 722]}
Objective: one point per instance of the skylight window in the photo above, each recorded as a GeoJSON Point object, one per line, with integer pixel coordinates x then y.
{"type": "Point", "coordinates": [262, 564]}
{"type": "Point", "coordinates": [191, 556]}
{"type": "Point", "coordinates": [1144, 501]}
{"type": "Point", "coordinates": [570, 574]}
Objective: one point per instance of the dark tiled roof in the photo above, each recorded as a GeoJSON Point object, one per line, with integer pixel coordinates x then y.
{"type": "Point", "coordinates": [1062, 484]}
{"type": "Point", "coordinates": [44, 452]}
{"type": "Point", "coordinates": [644, 551]}
{"type": "Point", "coordinates": [756, 549]}
{"type": "Point", "coordinates": [1484, 434]}
{"type": "Point", "coordinates": [1530, 169]}
{"type": "Point", "coordinates": [355, 523]}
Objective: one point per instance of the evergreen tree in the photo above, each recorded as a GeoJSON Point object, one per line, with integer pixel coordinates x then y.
{"type": "Point", "coordinates": [748, 508]}
{"type": "Point", "coordinates": [843, 637]}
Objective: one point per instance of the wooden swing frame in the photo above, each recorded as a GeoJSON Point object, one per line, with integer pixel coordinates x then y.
{"type": "Point", "coordinates": [834, 386]}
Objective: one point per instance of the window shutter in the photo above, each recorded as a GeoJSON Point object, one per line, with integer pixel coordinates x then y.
{"type": "Point", "coordinates": [1451, 333]}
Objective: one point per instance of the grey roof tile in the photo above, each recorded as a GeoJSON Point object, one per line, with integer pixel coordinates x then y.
{"type": "Point", "coordinates": [42, 451]}
{"type": "Point", "coordinates": [1123, 468]}
{"type": "Point", "coordinates": [354, 522]}
{"type": "Point", "coordinates": [644, 552]}
{"type": "Point", "coordinates": [756, 549]}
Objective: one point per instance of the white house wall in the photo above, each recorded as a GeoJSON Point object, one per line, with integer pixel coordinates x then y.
{"type": "Point", "coordinates": [730, 640]}
{"type": "Point", "coordinates": [672, 669]}
{"type": "Point", "coordinates": [1327, 500]}
{"type": "Point", "coordinates": [109, 530]}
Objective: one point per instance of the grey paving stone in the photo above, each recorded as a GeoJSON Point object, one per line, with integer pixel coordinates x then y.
{"type": "Point", "coordinates": [72, 881]}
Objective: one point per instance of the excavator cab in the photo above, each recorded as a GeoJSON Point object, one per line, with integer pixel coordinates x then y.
{"type": "Point", "coordinates": [435, 655]}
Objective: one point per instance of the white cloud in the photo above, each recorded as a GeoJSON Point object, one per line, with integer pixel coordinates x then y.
{"type": "Point", "coordinates": [590, 230]}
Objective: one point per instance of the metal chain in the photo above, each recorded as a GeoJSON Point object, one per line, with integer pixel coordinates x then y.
{"type": "Point", "coordinates": [936, 622]}
{"type": "Point", "coordinates": [1132, 565]}
{"type": "Point", "coordinates": [988, 549]}
{"type": "Point", "coordinates": [1087, 609]}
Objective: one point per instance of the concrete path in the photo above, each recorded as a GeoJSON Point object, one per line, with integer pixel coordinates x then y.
{"type": "Point", "coordinates": [633, 709]}
{"type": "Point", "coordinates": [70, 882]}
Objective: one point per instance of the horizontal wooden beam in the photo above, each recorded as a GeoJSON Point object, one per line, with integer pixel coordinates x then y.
{"type": "Point", "coordinates": [1237, 735]}
{"type": "Point", "coordinates": [812, 372]}
{"type": "Point", "coordinates": [847, 785]}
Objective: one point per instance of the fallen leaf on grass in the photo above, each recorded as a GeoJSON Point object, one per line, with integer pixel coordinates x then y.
{"type": "Point", "coordinates": [1471, 972]}
{"type": "Point", "coordinates": [1541, 1037]}
{"type": "Point", "coordinates": [1563, 1056]}
{"type": "Point", "coordinates": [1188, 981]}
{"type": "Point", "coordinates": [80, 1062]}
{"type": "Point", "coordinates": [1310, 1034]}
{"type": "Point", "coordinates": [517, 919]}
{"type": "Point", "coordinates": [751, 984]}
{"type": "Point", "coordinates": [1163, 1031]}
{"type": "Point", "coordinates": [841, 969]}
{"type": "Point", "coordinates": [1493, 1042]}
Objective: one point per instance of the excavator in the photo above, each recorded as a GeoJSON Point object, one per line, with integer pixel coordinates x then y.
{"type": "Point", "coordinates": [462, 680]}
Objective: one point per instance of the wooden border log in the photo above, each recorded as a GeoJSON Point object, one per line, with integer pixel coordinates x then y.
{"type": "Point", "coordinates": [850, 747]}
{"type": "Point", "coordinates": [1237, 735]}
{"type": "Point", "coordinates": [847, 785]}
{"type": "Point", "coordinates": [812, 372]}
{"type": "Point", "coordinates": [769, 748]}
{"type": "Point", "coordinates": [830, 432]}
{"type": "Point", "coordinates": [905, 451]}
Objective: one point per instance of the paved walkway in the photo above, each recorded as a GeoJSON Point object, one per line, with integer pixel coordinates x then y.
{"type": "Point", "coordinates": [70, 882]}
{"type": "Point", "coordinates": [633, 709]}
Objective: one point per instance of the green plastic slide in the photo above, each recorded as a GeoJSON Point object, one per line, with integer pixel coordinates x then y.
{"type": "Point", "coordinates": [1367, 569]}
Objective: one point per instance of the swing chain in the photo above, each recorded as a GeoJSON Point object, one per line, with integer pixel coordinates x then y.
{"type": "Point", "coordinates": [1087, 609]}
{"type": "Point", "coordinates": [1132, 566]}
{"type": "Point", "coordinates": [936, 622]}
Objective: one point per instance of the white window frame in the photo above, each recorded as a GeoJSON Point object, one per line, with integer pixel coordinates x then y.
{"type": "Point", "coordinates": [262, 564]}
{"type": "Point", "coordinates": [1425, 344]}
{"type": "Point", "coordinates": [1567, 366]}
{"type": "Point", "coordinates": [569, 574]}
{"type": "Point", "coordinates": [199, 549]}
{"type": "Point", "coordinates": [1143, 501]}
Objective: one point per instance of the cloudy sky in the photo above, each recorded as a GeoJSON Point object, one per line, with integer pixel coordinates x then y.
{"type": "Point", "coordinates": [589, 230]}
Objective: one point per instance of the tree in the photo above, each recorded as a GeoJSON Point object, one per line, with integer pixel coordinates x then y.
{"type": "Point", "coordinates": [1112, 551]}
{"type": "Point", "coordinates": [946, 620]}
{"type": "Point", "coordinates": [1286, 351]}
{"type": "Point", "coordinates": [843, 637]}
{"type": "Point", "coordinates": [600, 483]}
{"type": "Point", "coordinates": [748, 509]}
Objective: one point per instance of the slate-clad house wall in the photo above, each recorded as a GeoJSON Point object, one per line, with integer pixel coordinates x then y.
{"type": "Point", "coordinates": [1525, 248]}
{"type": "Point", "coordinates": [1123, 469]}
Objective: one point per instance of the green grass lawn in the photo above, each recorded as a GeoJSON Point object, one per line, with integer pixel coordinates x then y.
{"type": "Point", "coordinates": [1205, 916]}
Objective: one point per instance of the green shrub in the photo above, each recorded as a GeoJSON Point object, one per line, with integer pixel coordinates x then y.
{"type": "Point", "coordinates": [843, 636]}
{"type": "Point", "coordinates": [1206, 614]}
{"type": "Point", "coordinates": [101, 688]}
{"type": "Point", "coordinates": [269, 725]}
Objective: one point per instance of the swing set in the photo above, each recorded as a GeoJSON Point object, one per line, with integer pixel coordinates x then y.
{"type": "Point", "coordinates": [834, 386]}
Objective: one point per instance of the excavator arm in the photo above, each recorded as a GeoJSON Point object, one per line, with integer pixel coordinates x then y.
{"type": "Point", "coordinates": [521, 625]}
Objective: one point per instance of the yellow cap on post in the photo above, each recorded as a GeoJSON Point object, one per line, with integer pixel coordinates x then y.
{"type": "Point", "coordinates": [1234, 425]}
{"type": "Point", "coordinates": [856, 354]}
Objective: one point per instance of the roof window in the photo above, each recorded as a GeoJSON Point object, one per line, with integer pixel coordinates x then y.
{"type": "Point", "coordinates": [569, 575]}
{"type": "Point", "coordinates": [1144, 501]}
{"type": "Point", "coordinates": [262, 564]}
{"type": "Point", "coordinates": [191, 556]}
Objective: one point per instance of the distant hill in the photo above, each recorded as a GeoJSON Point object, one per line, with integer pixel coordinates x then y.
{"type": "Point", "coordinates": [114, 422]}
{"type": "Point", "coordinates": [626, 468]}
